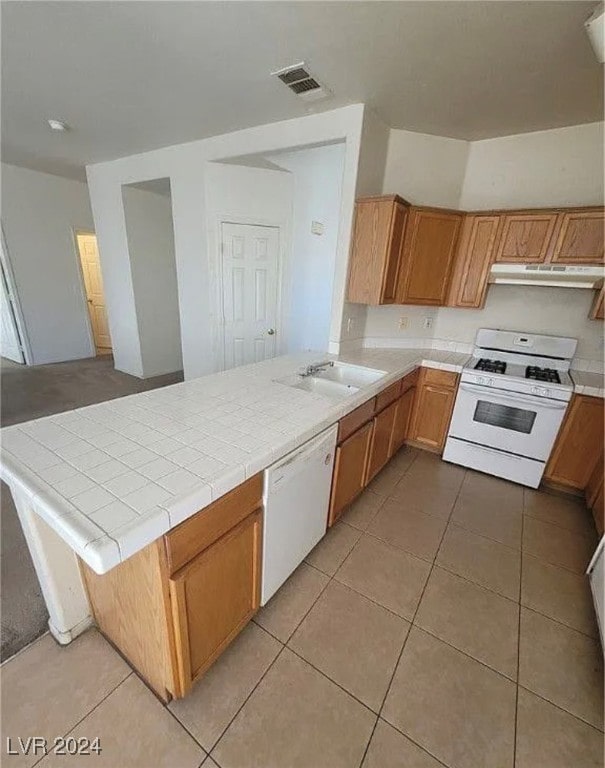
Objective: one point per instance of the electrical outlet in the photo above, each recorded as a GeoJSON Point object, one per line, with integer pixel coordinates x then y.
{"type": "Point", "coordinates": [427, 323]}
{"type": "Point", "coordinates": [317, 228]}
{"type": "Point", "coordinates": [403, 322]}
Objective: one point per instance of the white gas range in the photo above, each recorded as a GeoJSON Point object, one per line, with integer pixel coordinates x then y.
{"type": "Point", "coordinates": [512, 397]}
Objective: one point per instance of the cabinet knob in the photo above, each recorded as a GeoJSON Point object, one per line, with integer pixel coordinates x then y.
{"type": "Point", "coordinates": [271, 331]}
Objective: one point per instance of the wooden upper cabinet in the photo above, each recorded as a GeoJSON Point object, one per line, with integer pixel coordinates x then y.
{"type": "Point", "coordinates": [579, 445]}
{"type": "Point", "coordinates": [580, 237]}
{"type": "Point", "coordinates": [427, 256]}
{"type": "Point", "coordinates": [525, 237]}
{"type": "Point", "coordinates": [474, 258]}
{"type": "Point", "coordinates": [375, 249]}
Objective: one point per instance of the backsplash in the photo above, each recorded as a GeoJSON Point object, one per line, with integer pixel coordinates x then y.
{"type": "Point", "coordinates": [556, 311]}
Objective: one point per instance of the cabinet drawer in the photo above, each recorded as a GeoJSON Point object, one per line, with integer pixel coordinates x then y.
{"type": "Point", "coordinates": [440, 378]}
{"type": "Point", "coordinates": [209, 524]}
{"type": "Point", "coordinates": [409, 381]}
{"type": "Point", "coordinates": [388, 396]}
{"type": "Point", "coordinates": [357, 418]}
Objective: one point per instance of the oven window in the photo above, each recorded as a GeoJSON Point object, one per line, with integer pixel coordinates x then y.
{"type": "Point", "coordinates": [514, 419]}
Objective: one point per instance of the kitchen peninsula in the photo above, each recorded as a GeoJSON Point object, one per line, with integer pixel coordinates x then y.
{"type": "Point", "coordinates": [119, 501]}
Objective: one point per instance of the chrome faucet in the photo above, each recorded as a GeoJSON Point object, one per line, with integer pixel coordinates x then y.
{"type": "Point", "coordinates": [315, 368]}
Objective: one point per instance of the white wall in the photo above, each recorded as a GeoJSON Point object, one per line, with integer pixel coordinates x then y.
{"type": "Point", "coordinates": [39, 214]}
{"type": "Point", "coordinates": [247, 195]}
{"type": "Point", "coordinates": [153, 272]}
{"type": "Point", "coordinates": [557, 311]}
{"type": "Point", "coordinates": [424, 169]}
{"type": "Point", "coordinates": [317, 181]}
{"type": "Point", "coordinates": [186, 166]}
{"type": "Point", "coordinates": [561, 167]}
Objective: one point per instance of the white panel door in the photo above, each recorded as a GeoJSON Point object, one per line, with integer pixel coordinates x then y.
{"type": "Point", "coordinates": [10, 345]}
{"type": "Point", "coordinates": [93, 283]}
{"type": "Point", "coordinates": [250, 262]}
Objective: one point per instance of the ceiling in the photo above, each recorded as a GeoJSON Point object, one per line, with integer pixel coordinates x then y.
{"type": "Point", "coordinates": [133, 76]}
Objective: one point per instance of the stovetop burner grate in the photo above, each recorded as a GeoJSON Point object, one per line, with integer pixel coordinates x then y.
{"type": "Point", "coordinates": [491, 366]}
{"type": "Point", "coordinates": [542, 374]}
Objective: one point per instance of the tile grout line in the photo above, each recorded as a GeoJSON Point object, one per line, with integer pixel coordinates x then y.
{"type": "Point", "coordinates": [96, 706]}
{"type": "Point", "coordinates": [562, 709]}
{"type": "Point", "coordinates": [410, 630]}
{"type": "Point", "coordinates": [279, 653]}
{"type": "Point", "coordinates": [332, 577]}
{"type": "Point", "coordinates": [261, 678]}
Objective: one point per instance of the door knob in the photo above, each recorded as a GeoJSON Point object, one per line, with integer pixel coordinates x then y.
{"type": "Point", "coordinates": [271, 331]}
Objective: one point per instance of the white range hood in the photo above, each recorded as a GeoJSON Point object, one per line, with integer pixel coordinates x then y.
{"type": "Point", "coordinates": [549, 275]}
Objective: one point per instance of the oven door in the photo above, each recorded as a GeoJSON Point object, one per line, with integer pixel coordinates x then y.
{"type": "Point", "coordinates": [516, 423]}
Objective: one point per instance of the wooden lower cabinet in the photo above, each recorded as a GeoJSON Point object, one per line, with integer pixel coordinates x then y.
{"type": "Point", "coordinates": [214, 596]}
{"type": "Point", "coordinates": [595, 499]}
{"type": "Point", "coordinates": [348, 480]}
{"type": "Point", "coordinates": [403, 415]}
{"type": "Point", "coordinates": [173, 607]}
{"type": "Point", "coordinates": [579, 444]}
{"type": "Point", "coordinates": [433, 409]}
{"type": "Point", "coordinates": [380, 448]}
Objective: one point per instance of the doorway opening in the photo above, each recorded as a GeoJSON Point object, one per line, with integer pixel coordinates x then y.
{"type": "Point", "coordinates": [88, 252]}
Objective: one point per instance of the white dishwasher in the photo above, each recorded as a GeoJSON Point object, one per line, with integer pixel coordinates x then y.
{"type": "Point", "coordinates": [296, 500]}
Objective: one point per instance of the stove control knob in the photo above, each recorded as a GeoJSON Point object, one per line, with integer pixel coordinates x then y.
{"type": "Point", "coordinates": [480, 379]}
{"type": "Point", "coordinates": [490, 382]}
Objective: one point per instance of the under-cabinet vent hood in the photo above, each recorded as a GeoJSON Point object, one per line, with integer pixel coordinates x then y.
{"type": "Point", "coordinates": [549, 275]}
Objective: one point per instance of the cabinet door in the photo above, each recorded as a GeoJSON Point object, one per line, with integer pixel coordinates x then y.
{"type": "Point", "coordinates": [580, 238]}
{"type": "Point", "coordinates": [431, 417]}
{"type": "Point", "coordinates": [402, 419]}
{"type": "Point", "coordinates": [594, 497]}
{"type": "Point", "coordinates": [375, 250]}
{"type": "Point", "coordinates": [380, 448]}
{"type": "Point", "coordinates": [214, 597]}
{"type": "Point", "coordinates": [524, 237]}
{"type": "Point", "coordinates": [389, 288]}
{"type": "Point", "coordinates": [474, 257]}
{"type": "Point", "coordinates": [428, 256]}
{"type": "Point", "coordinates": [349, 471]}
{"type": "Point", "coordinates": [579, 444]}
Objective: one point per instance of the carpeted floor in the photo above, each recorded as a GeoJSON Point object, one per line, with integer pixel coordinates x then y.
{"type": "Point", "coordinates": [29, 393]}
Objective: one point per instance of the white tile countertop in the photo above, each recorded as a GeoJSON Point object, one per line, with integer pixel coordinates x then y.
{"type": "Point", "coordinates": [588, 383]}
{"type": "Point", "coordinates": [113, 477]}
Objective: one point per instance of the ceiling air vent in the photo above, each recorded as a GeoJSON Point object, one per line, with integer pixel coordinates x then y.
{"type": "Point", "coordinates": [301, 82]}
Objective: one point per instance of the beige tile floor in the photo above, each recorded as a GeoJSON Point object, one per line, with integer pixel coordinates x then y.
{"type": "Point", "coordinates": [446, 621]}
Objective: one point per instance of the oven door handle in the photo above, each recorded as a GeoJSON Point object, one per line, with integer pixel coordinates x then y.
{"type": "Point", "coordinates": [537, 402]}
